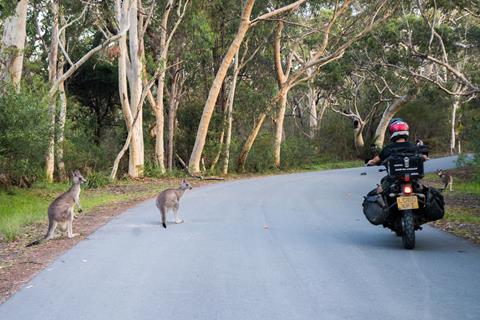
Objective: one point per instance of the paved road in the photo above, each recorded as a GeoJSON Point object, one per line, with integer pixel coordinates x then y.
{"type": "Point", "coordinates": [319, 258]}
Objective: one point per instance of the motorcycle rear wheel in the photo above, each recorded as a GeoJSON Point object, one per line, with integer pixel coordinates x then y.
{"type": "Point", "coordinates": [408, 225]}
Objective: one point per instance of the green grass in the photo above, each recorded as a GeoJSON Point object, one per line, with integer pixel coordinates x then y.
{"type": "Point", "coordinates": [472, 187]}
{"type": "Point", "coordinates": [21, 207]}
{"type": "Point", "coordinates": [329, 165]}
{"type": "Point", "coordinates": [461, 216]}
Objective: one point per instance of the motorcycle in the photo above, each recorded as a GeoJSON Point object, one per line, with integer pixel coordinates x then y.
{"type": "Point", "coordinates": [404, 203]}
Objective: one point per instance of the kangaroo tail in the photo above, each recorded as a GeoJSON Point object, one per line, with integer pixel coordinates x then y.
{"type": "Point", "coordinates": [52, 225]}
{"type": "Point", "coordinates": [34, 243]}
{"type": "Point", "coordinates": [164, 217]}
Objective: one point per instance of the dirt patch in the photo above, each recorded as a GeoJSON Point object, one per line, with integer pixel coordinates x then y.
{"type": "Point", "coordinates": [19, 264]}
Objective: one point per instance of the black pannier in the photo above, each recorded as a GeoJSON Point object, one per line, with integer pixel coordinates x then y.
{"type": "Point", "coordinates": [434, 205]}
{"type": "Point", "coordinates": [399, 166]}
{"type": "Point", "coordinates": [374, 208]}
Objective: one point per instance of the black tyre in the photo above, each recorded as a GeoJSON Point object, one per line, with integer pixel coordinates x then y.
{"type": "Point", "coordinates": [408, 225]}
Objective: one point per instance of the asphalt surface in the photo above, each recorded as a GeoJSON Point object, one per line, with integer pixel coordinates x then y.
{"type": "Point", "coordinates": [284, 247]}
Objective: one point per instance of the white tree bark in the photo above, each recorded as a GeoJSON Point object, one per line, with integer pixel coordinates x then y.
{"type": "Point", "coordinates": [63, 112]}
{"type": "Point", "coordinates": [136, 159]}
{"type": "Point", "coordinates": [52, 77]}
{"type": "Point", "coordinates": [175, 93]}
{"type": "Point", "coordinates": [358, 135]}
{"type": "Point", "coordinates": [159, 106]}
{"type": "Point", "coordinates": [13, 44]}
{"type": "Point", "coordinates": [312, 110]}
{"type": "Point", "coordinates": [130, 70]}
{"type": "Point", "coordinates": [453, 124]}
{"type": "Point", "coordinates": [231, 98]}
{"type": "Point", "coordinates": [283, 94]}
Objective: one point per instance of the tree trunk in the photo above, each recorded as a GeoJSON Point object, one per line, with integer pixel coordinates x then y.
{"type": "Point", "coordinates": [242, 159]}
{"type": "Point", "coordinates": [52, 76]}
{"type": "Point", "coordinates": [172, 112]}
{"type": "Point", "coordinates": [358, 136]}
{"type": "Point", "coordinates": [231, 98]}
{"type": "Point", "coordinates": [453, 131]}
{"type": "Point", "coordinates": [61, 133]}
{"type": "Point", "coordinates": [160, 124]}
{"type": "Point", "coordinates": [279, 124]}
{"type": "Point", "coordinates": [136, 160]}
{"type": "Point", "coordinates": [213, 165]}
{"type": "Point", "coordinates": [159, 108]}
{"type": "Point", "coordinates": [388, 114]}
{"type": "Point", "coordinates": [13, 44]}
{"type": "Point", "coordinates": [196, 155]}
{"type": "Point", "coordinates": [312, 117]}
{"type": "Point", "coordinates": [63, 113]}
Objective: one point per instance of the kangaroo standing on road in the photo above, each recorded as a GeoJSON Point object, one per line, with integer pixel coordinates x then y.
{"type": "Point", "coordinates": [60, 211]}
{"type": "Point", "coordinates": [447, 179]}
{"type": "Point", "coordinates": [170, 199]}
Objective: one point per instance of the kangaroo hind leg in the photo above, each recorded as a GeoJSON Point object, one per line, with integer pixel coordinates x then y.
{"type": "Point", "coordinates": [52, 225]}
{"type": "Point", "coordinates": [70, 233]}
{"type": "Point", "coordinates": [175, 212]}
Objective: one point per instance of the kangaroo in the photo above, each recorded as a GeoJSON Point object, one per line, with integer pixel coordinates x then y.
{"type": "Point", "coordinates": [170, 199]}
{"type": "Point", "coordinates": [447, 179]}
{"type": "Point", "coordinates": [60, 211]}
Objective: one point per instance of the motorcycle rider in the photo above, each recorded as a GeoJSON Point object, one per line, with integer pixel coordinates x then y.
{"type": "Point", "coordinates": [399, 132]}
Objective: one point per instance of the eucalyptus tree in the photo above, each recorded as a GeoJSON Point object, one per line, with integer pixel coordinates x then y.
{"type": "Point", "coordinates": [13, 42]}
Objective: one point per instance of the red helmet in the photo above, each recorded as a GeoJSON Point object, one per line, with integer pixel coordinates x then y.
{"type": "Point", "coordinates": [398, 129]}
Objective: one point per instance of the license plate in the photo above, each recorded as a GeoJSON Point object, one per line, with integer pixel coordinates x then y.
{"type": "Point", "coordinates": [407, 203]}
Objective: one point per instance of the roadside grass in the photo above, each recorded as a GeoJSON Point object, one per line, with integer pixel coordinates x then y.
{"type": "Point", "coordinates": [471, 187]}
{"type": "Point", "coordinates": [461, 215]}
{"type": "Point", "coordinates": [22, 207]}
{"type": "Point", "coordinates": [330, 165]}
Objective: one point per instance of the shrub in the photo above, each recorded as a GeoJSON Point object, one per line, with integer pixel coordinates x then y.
{"type": "Point", "coordinates": [24, 130]}
{"type": "Point", "coordinates": [97, 180]}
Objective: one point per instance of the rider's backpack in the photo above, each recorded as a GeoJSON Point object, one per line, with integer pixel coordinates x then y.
{"type": "Point", "coordinates": [375, 208]}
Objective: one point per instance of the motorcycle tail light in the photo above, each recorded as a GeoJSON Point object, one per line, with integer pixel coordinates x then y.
{"type": "Point", "coordinates": [407, 189]}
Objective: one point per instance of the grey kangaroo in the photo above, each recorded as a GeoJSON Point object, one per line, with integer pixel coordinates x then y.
{"type": "Point", "coordinates": [447, 179]}
{"type": "Point", "coordinates": [170, 199]}
{"type": "Point", "coordinates": [60, 211]}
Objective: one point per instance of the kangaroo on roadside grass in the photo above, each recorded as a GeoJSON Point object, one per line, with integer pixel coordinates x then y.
{"type": "Point", "coordinates": [60, 211]}
{"type": "Point", "coordinates": [170, 199]}
{"type": "Point", "coordinates": [447, 179]}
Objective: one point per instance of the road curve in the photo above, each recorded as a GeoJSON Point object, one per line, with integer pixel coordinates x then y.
{"type": "Point", "coordinates": [284, 247]}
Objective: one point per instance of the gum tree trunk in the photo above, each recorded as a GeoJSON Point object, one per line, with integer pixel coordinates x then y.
{"type": "Point", "coordinates": [52, 77]}
{"type": "Point", "coordinates": [453, 127]}
{"type": "Point", "coordinates": [242, 159]}
{"type": "Point", "coordinates": [279, 124]}
{"type": "Point", "coordinates": [231, 98]}
{"type": "Point", "coordinates": [312, 117]}
{"type": "Point", "coordinates": [13, 44]}
{"type": "Point", "coordinates": [63, 112]}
